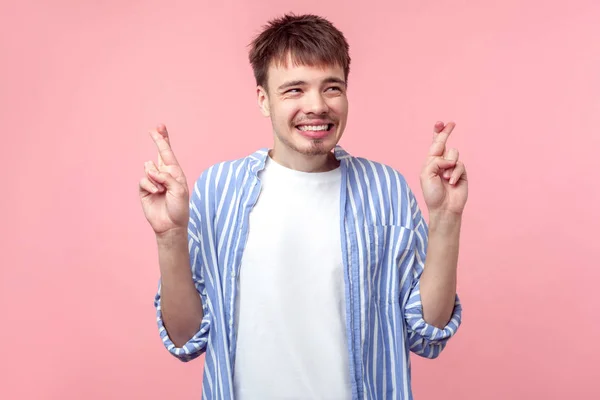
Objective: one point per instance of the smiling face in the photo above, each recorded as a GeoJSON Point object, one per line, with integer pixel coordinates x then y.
{"type": "Point", "coordinates": [308, 108]}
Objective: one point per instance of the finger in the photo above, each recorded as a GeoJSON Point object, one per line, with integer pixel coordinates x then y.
{"type": "Point", "coordinates": [459, 173]}
{"type": "Point", "coordinates": [162, 129]}
{"type": "Point", "coordinates": [447, 174]}
{"type": "Point", "coordinates": [451, 154]}
{"type": "Point", "coordinates": [437, 128]}
{"type": "Point", "coordinates": [175, 172]}
{"type": "Point", "coordinates": [147, 187]}
{"type": "Point", "coordinates": [165, 153]}
{"type": "Point", "coordinates": [167, 180]}
{"type": "Point", "coordinates": [437, 165]}
{"type": "Point", "coordinates": [148, 166]}
{"type": "Point", "coordinates": [438, 147]}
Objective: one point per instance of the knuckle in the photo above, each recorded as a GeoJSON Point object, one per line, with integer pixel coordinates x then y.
{"type": "Point", "coordinates": [165, 176]}
{"type": "Point", "coordinates": [179, 190]}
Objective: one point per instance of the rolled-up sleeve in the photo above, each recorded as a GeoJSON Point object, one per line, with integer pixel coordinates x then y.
{"type": "Point", "coordinates": [197, 344]}
{"type": "Point", "coordinates": [425, 339]}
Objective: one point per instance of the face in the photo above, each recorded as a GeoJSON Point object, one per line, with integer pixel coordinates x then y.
{"type": "Point", "coordinates": [308, 108]}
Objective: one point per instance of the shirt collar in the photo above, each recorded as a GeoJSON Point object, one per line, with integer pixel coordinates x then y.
{"type": "Point", "coordinates": [258, 159]}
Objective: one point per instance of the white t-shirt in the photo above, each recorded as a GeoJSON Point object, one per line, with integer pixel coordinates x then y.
{"type": "Point", "coordinates": [290, 313]}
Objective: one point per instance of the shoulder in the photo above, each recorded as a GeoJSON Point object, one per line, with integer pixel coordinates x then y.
{"type": "Point", "coordinates": [223, 170]}
{"type": "Point", "coordinates": [226, 175]}
{"type": "Point", "coordinates": [368, 172]}
{"type": "Point", "coordinates": [384, 188]}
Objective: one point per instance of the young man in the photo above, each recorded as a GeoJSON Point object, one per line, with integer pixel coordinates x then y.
{"type": "Point", "coordinates": [304, 272]}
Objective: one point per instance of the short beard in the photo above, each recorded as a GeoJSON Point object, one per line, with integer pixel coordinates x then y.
{"type": "Point", "coordinates": [316, 148]}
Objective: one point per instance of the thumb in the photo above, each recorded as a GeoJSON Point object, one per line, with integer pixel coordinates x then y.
{"type": "Point", "coordinates": [165, 178]}
{"type": "Point", "coordinates": [439, 164]}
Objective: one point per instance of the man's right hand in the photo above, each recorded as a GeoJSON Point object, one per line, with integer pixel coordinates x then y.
{"type": "Point", "coordinates": [163, 190]}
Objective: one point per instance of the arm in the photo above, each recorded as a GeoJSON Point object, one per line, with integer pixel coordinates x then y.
{"type": "Point", "coordinates": [181, 304]}
{"type": "Point", "coordinates": [438, 282]}
{"type": "Point", "coordinates": [181, 311]}
{"type": "Point", "coordinates": [433, 311]}
{"type": "Point", "coordinates": [432, 291]}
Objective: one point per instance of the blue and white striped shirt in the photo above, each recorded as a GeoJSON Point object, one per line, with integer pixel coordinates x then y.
{"type": "Point", "coordinates": [384, 243]}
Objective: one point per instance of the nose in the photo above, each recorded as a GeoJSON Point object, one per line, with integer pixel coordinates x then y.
{"type": "Point", "coordinates": [315, 103]}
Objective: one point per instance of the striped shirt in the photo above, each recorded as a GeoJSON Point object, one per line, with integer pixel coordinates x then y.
{"type": "Point", "coordinates": [384, 243]}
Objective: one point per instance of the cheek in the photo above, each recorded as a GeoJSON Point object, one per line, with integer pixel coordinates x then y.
{"type": "Point", "coordinates": [287, 112]}
{"type": "Point", "coordinates": [339, 106]}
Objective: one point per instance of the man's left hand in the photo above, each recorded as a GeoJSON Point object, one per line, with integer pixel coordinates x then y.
{"type": "Point", "coordinates": [444, 177]}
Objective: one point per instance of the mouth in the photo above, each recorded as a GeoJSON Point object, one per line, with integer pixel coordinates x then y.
{"type": "Point", "coordinates": [315, 131]}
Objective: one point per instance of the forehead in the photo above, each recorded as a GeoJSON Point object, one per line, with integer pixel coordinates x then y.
{"type": "Point", "coordinates": [288, 69]}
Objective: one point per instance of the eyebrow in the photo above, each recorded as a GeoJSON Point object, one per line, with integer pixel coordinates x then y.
{"type": "Point", "coordinates": [331, 79]}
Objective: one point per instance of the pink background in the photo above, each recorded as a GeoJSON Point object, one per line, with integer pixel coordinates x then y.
{"type": "Point", "coordinates": [82, 82]}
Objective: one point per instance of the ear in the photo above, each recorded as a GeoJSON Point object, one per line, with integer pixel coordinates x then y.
{"type": "Point", "coordinates": [263, 101]}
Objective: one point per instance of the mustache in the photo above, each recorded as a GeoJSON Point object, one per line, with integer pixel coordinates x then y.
{"type": "Point", "coordinates": [325, 118]}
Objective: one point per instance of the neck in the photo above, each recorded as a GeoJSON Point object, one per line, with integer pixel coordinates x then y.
{"type": "Point", "coordinates": [302, 162]}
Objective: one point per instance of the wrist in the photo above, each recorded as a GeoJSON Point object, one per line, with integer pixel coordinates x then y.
{"type": "Point", "coordinates": [444, 221]}
{"type": "Point", "coordinates": [172, 236]}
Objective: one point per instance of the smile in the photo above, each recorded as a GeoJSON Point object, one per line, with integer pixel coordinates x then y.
{"type": "Point", "coordinates": [314, 128]}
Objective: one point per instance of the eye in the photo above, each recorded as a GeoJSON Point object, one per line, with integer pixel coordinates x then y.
{"type": "Point", "coordinates": [293, 91]}
{"type": "Point", "coordinates": [336, 88]}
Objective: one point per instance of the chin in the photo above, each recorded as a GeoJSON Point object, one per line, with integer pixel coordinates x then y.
{"type": "Point", "coordinates": [310, 143]}
{"type": "Point", "coordinates": [316, 147]}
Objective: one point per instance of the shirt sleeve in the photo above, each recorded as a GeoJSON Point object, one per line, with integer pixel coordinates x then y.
{"type": "Point", "coordinates": [424, 339]}
{"type": "Point", "coordinates": [197, 344]}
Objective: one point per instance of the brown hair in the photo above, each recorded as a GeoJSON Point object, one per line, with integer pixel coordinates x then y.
{"type": "Point", "coordinates": [309, 39]}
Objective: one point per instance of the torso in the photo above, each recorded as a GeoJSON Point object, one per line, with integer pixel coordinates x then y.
{"type": "Point", "coordinates": [291, 291]}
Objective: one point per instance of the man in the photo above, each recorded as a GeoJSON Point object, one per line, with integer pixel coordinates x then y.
{"type": "Point", "coordinates": [304, 272]}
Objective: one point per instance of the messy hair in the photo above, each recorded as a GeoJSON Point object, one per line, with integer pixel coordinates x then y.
{"type": "Point", "coordinates": [307, 40]}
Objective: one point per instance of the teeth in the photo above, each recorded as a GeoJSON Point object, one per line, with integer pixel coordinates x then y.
{"type": "Point", "coordinates": [313, 127]}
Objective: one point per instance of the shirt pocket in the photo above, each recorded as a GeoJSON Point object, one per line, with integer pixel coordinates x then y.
{"type": "Point", "coordinates": [388, 247]}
